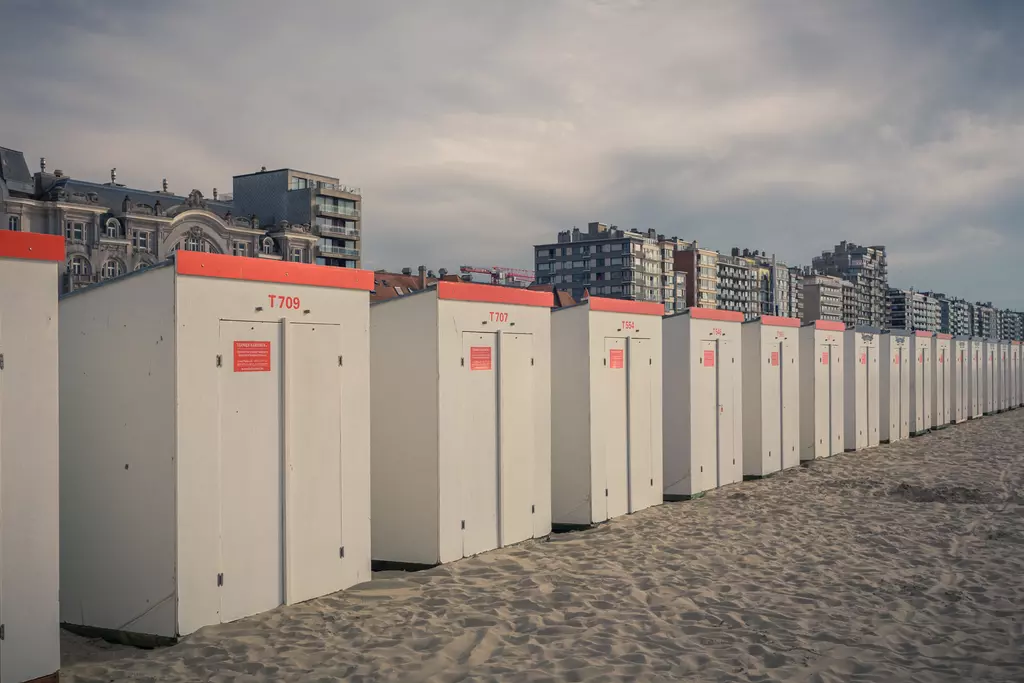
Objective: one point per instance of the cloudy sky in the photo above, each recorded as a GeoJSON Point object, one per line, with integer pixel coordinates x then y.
{"type": "Point", "coordinates": [477, 129]}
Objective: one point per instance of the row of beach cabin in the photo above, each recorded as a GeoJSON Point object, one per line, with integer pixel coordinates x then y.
{"type": "Point", "coordinates": [236, 434]}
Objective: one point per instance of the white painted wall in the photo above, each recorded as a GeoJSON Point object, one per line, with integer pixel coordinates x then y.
{"type": "Point", "coordinates": [861, 390]}
{"type": "Point", "coordinates": [821, 393]}
{"type": "Point", "coordinates": [989, 376]}
{"type": "Point", "coordinates": [920, 384]}
{"type": "Point", "coordinates": [942, 378]}
{"type": "Point", "coordinates": [960, 385]}
{"type": "Point", "coordinates": [28, 470]}
{"type": "Point", "coordinates": [576, 482]}
{"type": "Point", "coordinates": [404, 417]}
{"type": "Point", "coordinates": [976, 369]}
{"type": "Point", "coordinates": [894, 387]}
{"type": "Point", "coordinates": [771, 398]}
{"type": "Point", "coordinates": [117, 460]}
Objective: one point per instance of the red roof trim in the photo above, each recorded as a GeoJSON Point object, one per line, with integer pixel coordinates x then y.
{"type": "Point", "coordinates": [1014, 342]}
{"type": "Point", "coordinates": [30, 245]}
{"type": "Point", "coordinates": [779, 321]}
{"type": "Point", "coordinates": [922, 333]}
{"type": "Point", "coordinates": [716, 314]}
{"type": "Point", "coordinates": [474, 291]}
{"type": "Point", "coordinates": [626, 306]}
{"type": "Point", "coordinates": [943, 335]}
{"type": "Point", "coordinates": [260, 270]}
{"type": "Point", "coordinates": [830, 325]}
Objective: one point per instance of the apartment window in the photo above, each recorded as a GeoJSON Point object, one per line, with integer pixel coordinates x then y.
{"type": "Point", "coordinates": [78, 265]}
{"type": "Point", "coordinates": [112, 268]}
{"type": "Point", "coordinates": [557, 265]}
{"type": "Point", "coordinates": [295, 254]}
{"type": "Point", "coordinates": [140, 240]}
{"type": "Point", "coordinates": [542, 267]}
{"type": "Point", "coordinates": [141, 264]}
{"type": "Point", "coordinates": [74, 231]}
{"type": "Point", "coordinates": [12, 223]}
{"type": "Point", "coordinates": [240, 248]}
{"type": "Point", "coordinates": [579, 264]}
{"type": "Point", "coordinates": [615, 261]}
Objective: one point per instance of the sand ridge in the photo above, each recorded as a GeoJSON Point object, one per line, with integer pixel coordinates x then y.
{"type": "Point", "coordinates": [898, 563]}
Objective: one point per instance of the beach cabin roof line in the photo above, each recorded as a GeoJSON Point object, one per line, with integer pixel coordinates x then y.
{"type": "Point", "coordinates": [943, 335]}
{"type": "Point", "coordinates": [29, 245]}
{"type": "Point", "coordinates": [829, 325]}
{"type": "Point", "coordinates": [472, 291]}
{"type": "Point", "coordinates": [923, 333]}
{"type": "Point", "coordinates": [779, 321]}
{"type": "Point", "coordinates": [715, 314]}
{"type": "Point", "coordinates": [259, 270]}
{"type": "Point", "coordinates": [626, 306]}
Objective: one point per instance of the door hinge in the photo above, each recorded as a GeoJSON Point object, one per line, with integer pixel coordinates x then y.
{"type": "Point", "coordinates": [219, 360]}
{"type": "Point", "coordinates": [341, 361]}
{"type": "Point", "coordinates": [533, 509]}
{"type": "Point", "coordinates": [463, 362]}
{"type": "Point", "coordinates": [531, 361]}
{"type": "Point", "coordinates": [463, 524]}
{"type": "Point", "coordinates": [606, 492]}
{"type": "Point", "coordinates": [3, 631]}
{"type": "Point", "coordinates": [341, 552]}
{"type": "Point", "coordinates": [1, 361]}
{"type": "Point", "coordinates": [220, 579]}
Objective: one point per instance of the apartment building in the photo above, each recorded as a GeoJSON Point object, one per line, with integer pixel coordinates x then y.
{"type": "Point", "coordinates": [608, 261]}
{"type": "Point", "coordinates": [796, 293]}
{"type": "Point", "coordinates": [986, 321]}
{"type": "Point", "coordinates": [954, 314]}
{"type": "Point", "coordinates": [773, 282]}
{"type": "Point", "coordinates": [848, 295]}
{"type": "Point", "coordinates": [111, 228]}
{"type": "Point", "coordinates": [1010, 325]}
{"type": "Point", "coordinates": [332, 209]}
{"type": "Point", "coordinates": [867, 269]}
{"type": "Point", "coordinates": [822, 298]}
{"type": "Point", "coordinates": [736, 285]}
{"type": "Point", "coordinates": [700, 269]}
{"type": "Point", "coordinates": [912, 310]}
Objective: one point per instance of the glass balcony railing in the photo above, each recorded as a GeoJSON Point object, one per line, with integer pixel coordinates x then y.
{"type": "Point", "coordinates": [338, 251]}
{"type": "Point", "coordinates": [337, 210]}
{"type": "Point", "coordinates": [328, 229]}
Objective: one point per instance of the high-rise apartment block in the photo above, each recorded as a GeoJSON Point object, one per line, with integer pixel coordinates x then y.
{"type": "Point", "coordinates": [796, 293]}
{"type": "Point", "coordinates": [986, 321]}
{"type": "Point", "coordinates": [737, 277]}
{"type": "Point", "coordinates": [849, 299]}
{"type": "Point", "coordinates": [700, 270]}
{"type": "Point", "coordinates": [912, 310]}
{"type": "Point", "coordinates": [867, 269]}
{"type": "Point", "coordinates": [611, 262]}
{"type": "Point", "coordinates": [822, 298]}
{"type": "Point", "coordinates": [1010, 325]}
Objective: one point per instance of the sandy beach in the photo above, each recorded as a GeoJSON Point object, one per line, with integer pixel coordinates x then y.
{"type": "Point", "coordinates": [898, 563]}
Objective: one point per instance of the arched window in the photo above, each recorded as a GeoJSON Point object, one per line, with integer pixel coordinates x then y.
{"type": "Point", "coordinates": [268, 245]}
{"type": "Point", "coordinates": [141, 264]}
{"type": "Point", "coordinates": [78, 265]}
{"type": "Point", "coordinates": [111, 228]}
{"type": "Point", "coordinates": [12, 223]}
{"type": "Point", "coordinates": [112, 268]}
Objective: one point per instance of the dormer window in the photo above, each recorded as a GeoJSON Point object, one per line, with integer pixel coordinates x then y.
{"type": "Point", "coordinates": [13, 223]}
{"type": "Point", "coordinates": [111, 228]}
{"type": "Point", "coordinates": [268, 245]}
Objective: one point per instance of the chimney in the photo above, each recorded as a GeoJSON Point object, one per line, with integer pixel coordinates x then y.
{"type": "Point", "coordinates": [42, 164]}
{"type": "Point", "coordinates": [423, 277]}
{"type": "Point", "coordinates": [406, 271]}
{"type": "Point", "coordinates": [58, 173]}
{"type": "Point", "coordinates": [215, 194]}
{"type": "Point", "coordinates": [263, 169]}
{"type": "Point", "coordinates": [442, 272]}
{"type": "Point", "coordinates": [165, 185]}
{"type": "Point", "coordinates": [113, 176]}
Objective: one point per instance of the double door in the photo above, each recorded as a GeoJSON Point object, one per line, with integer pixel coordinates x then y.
{"type": "Point", "coordinates": [866, 410]}
{"type": "Point", "coordinates": [828, 413]}
{"type": "Point", "coordinates": [626, 390]}
{"type": "Point", "coordinates": [941, 388]}
{"type": "Point", "coordinates": [714, 395]}
{"type": "Point", "coordinates": [280, 459]}
{"type": "Point", "coordinates": [498, 445]}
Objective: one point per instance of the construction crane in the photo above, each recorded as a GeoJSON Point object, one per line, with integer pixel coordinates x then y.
{"type": "Point", "coordinates": [501, 275]}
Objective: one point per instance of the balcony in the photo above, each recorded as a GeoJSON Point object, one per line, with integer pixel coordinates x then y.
{"type": "Point", "coordinates": [347, 231]}
{"type": "Point", "coordinates": [345, 252]}
{"type": "Point", "coordinates": [335, 210]}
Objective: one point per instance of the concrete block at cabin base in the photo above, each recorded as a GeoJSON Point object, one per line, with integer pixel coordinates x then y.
{"type": "Point", "coordinates": [51, 678]}
{"type": "Point", "coordinates": [145, 641]}
{"type": "Point", "coordinates": [674, 498]}
{"type": "Point", "coordinates": [566, 528]}
{"type": "Point", "coordinates": [388, 566]}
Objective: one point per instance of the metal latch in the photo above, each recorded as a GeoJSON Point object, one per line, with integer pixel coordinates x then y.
{"type": "Point", "coordinates": [463, 524]}
{"type": "Point", "coordinates": [1, 361]}
{"type": "Point", "coordinates": [218, 360]}
{"type": "Point", "coordinates": [220, 579]}
{"type": "Point", "coordinates": [341, 552]}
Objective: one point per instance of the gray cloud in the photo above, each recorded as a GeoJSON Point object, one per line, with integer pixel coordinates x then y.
{"type": "Point", "coordinates": [477, 129]}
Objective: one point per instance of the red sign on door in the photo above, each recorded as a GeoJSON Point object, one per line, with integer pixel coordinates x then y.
{"type": "Point", "coordinates": [709, 359]}
{"type": "Point", "coordinates": [480, 358]}
{"type": "Point", "coordinates": [863, 359]}
{"type": "Point", "coordinates": [824, 357]}
{"type": "Point", "coordinates": [775, 358]}
{"type": "Point", "coordinates": [616, 358]}
{"type": "Point", "coordinates": [252, 356]}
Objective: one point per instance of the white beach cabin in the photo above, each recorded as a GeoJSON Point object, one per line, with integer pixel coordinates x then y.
{"type": "Point", "coordinates": [1014, 374]}
{"type": "Point", "coordinates": [894, 379]}
{"type": "Point", "coordinates": [461, 421]}
{"type": "Point", "coordinates": [703, 401]}
{"type": "Point", "coordinates": [921, 383]}
{"type": "Point", "coordinates": [976, 369]}
{"type": "Point", "coordinates": [606, 455]}
{"type": "Point", "coordinates": [942, 380]}
{"type": "Point", "coordinates": [30, 642]}
{"type": "Point", "coordinates": [771, 395]}
{"type": "Point", "coordinates": [960, 380]}
{"type": "Point", "coordinates": [862, 385]}
{"type": "Point", "coordinates": [821, 389]}
{"type": "Point", "coordinates": [990, 377]}
{"type": "Point", "coordinates": [214, 442]}
{"type": "Point", "coordinates": [1003, 383]}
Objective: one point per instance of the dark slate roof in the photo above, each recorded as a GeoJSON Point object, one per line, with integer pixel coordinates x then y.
{"type": "Point", "coordinates": [113, 196]}
{"type": "Point", "coordinates": [14, 171]}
